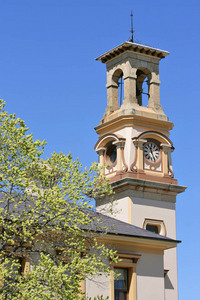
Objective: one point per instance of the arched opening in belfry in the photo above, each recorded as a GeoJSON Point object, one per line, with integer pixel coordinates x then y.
{"type": "Point", "coordinates": [119, 80]}
{"type": "Point", "coordinates": [120, 90]}
{"type": "Point", "coordinates": [142, 86]}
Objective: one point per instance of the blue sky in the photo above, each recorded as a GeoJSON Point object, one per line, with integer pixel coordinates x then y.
{"type": "Point", "coordinates": [49, 78]}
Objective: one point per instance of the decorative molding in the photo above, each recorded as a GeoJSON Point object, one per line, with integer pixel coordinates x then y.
{"type": "Point", "coordinates": [101, 150]}
{"type": "Point", "coordinates": [171, 171]}
{"type": "Point", "coordinates": [107, 138]}
{"type": "Point", "coordinates": [158, 136]}
{"type": "Point", "coordinates": [132, 181]}
{"type": "Point", "coordinates": [155, 222]}
{"type": "Point", "coordinates": [118, 122]}
{"type": "Point", "coordinates": [141, 175]}
{"type": "Point", "coordinates": [133, 166]}
{"type": "Point", "coordinates": [124, 162]}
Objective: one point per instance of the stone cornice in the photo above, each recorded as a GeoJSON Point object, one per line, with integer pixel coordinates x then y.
{"type": "Point", "coordinates": [135, 183]}
{"type": "Point", "coordinates": [134, 47]}
{"type": "Point", "coordinates": [133, 120]}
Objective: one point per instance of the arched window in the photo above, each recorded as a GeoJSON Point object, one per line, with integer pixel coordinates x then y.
{"type": "Point", "coordinates": [118, 79]}
{"type": "Point", "coordinates": [120, 90]}
{"type": "Point", "coordinates": [142, 86]}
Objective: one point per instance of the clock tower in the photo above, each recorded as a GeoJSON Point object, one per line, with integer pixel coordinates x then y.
{"type": "Point", "coordinates": [135, 149]}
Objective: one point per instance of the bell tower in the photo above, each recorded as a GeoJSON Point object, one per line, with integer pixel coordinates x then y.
{"type": "Point", "coordinates": [135, 150]}
{"type": "Point", "coordinates": [140, 134]}
{"type": "Point", "coordinates": [133, 63]}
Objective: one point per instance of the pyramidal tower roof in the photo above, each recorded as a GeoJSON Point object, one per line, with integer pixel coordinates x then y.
{"type": "Point", "coordinates": [132, 47]}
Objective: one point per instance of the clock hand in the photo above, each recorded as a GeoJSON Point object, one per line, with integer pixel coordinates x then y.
{"type": "Point", "coordinates": [152, 153]}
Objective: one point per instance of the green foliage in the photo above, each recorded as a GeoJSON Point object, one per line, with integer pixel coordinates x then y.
{"type": "Point", "coordinates": [100, 298]}
{"type": "Point", "coordinates": [45, 218]}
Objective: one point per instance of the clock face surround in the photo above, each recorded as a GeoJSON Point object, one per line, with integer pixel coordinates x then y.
{"type": "Point", "coordinates": [151, 152]}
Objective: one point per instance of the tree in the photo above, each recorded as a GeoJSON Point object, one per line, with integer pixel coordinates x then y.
{"type": "Point", "coordinates": [45, 217]}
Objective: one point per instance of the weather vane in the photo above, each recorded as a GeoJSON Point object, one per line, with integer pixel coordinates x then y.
{"type": "Point", "coordinates": [131, 38]}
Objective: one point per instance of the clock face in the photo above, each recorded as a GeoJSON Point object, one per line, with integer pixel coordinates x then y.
{"type": "Point", "coordinates": [151, 152]}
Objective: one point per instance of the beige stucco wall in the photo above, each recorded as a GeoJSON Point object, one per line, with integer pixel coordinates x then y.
{"type": "Point", "coordinates": [120, 208]}
{"type": "Point", "coordinates": [133, 209]}
{"type": "Point", "coordinates": [142, 208]}
{"type": "Point", "coordinates": [171, 284]}
{"type": "Point", "coordinates": [150, 281]}
{"type": "Point", "coordinates": [129, 149]}
{"type": "Point", "coordinates": [98, 285]}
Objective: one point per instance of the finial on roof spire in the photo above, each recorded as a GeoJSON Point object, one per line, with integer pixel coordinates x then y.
{"type": "Point", "coordinates": [131, 38]}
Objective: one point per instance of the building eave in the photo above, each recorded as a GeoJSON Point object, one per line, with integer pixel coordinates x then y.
{"type": "Point", "coordinates": [146, 242]}
{"type": "Point", "coordinates": [135, 47]}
